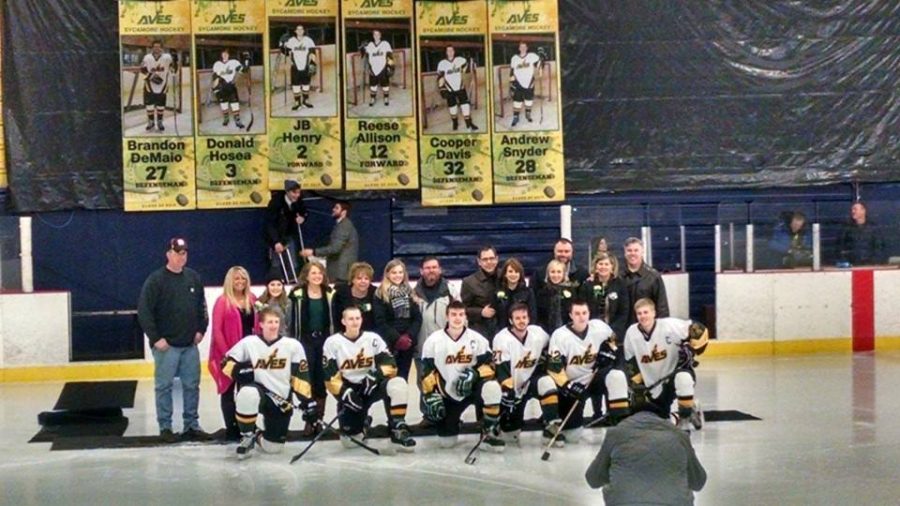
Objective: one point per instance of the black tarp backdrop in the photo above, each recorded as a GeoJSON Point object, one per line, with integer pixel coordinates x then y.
{"type": "Point", "coordinates": [658, 95]}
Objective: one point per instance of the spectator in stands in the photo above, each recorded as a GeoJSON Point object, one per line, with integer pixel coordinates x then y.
{"type": "Point", "coordinates": [434, 295]}
{"type": "Point", "coordinates": [360, 293]}
{"type": "Point", "coordinates": [646, 460]}
{"type": "Point", "coordinates": [276, 297]}
{"type": "Point", "coordinates": [512, 289]}
{"type": "Point", "coordinates": [233, 317]}
{"type": "Point", "coordinates": [791, 243]}
{"type": "Point", "coordinates": [397, 315]}
{"type": "Point", "coordinates": [342, 249]}
{"type": "Point", "coordinates": [642, 280]}
{"type": "Point", "coordinates": [284, 216]}
{"type": "Point", "coordinates": [311, 324]}
{"type": "Point", "coordinates": [477, 293]}
{"type": "Point", "coordinates": [861, 243]}
{"type": "Point", "coordinates": [563, 251]}
{"type": "Point", "coordinates": [172, 313]}
{"type": "Point", "coordinates": [554, 300]}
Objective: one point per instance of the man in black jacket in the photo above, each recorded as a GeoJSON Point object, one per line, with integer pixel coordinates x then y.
{"type": "Point", "coordinates": [563, 251]}
{"type": "Point", "coordinates": [172, 313]}
{"type": "Point", "coordinates": [284, 215]}
{"type": "Point", "coordinates": [861, 244]}
{"type": "Point", "coordinates": [642, 280]}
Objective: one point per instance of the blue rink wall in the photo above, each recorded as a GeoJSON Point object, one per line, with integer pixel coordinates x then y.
{"type": "Point", "coordinates": [102, 257]}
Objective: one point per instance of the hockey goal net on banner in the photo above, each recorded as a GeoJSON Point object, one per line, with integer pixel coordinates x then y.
{"type": "Point", "coordinates": [431, 94]}
{"type": "Point", "coordinates": [358, 75]}
{"type": "Point", "coordinates": [280, 74]}
{"type": "Point", "coordinates": [544, 87]}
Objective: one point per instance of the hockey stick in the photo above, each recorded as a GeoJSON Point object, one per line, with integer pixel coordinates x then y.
{"type": "Point", "coordinates": [472, 457]}
{"type": "Point", "coordinates": [250, 97]}
{"type": "Point", "coordinates": [546, 455]}
{"type": "Point", "coordinates": [300, 455]}
{"type": "Point", "coordinates": [176, 88]}
{"type": "Point", "coordinates": [385, 452]}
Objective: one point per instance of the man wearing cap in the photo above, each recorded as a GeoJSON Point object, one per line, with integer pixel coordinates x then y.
{"type": "Point", "coordinates": [342, 249]}
{"type": "Point", "coordinates": [172, 313]}
{"type": "Point", "coordinates": [284, 215]}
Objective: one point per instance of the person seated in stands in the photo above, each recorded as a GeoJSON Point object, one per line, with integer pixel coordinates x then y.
{"type": "Point", "coordinates": [791, 244]}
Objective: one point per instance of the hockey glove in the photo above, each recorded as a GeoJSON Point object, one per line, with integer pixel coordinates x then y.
{"type": "Point", "coordinates": [542, 53]}
{"type": "Point", "coordinates": [349, 399]}
{"type": "Point", "coordinates": [312, 68]}
{"type": "Point", "coordinates": [389, 70]}
{"type": "Point", "coordinates": [245, 60]}
{"type": "Point", "coordinates": [243, 373]}
{"type": "Point", "coordinates": [509, 401]}
{"type": "Point", "coordinates": [686, 356]}
{"type": "Point", "coordinates": [606, 356]}
{"type": "Point", "coordinates": [574, 389]}
{"type": "Point", "coordinates": [433, 407]}
{"type": "Point", "coordinates": [362, 48]}
{"type": "Point", "coordinates": [286, 36]}
{"type": "Point", "coordinates": [309, 412]}
{"type": "Point", "coordinates": [465, 383]}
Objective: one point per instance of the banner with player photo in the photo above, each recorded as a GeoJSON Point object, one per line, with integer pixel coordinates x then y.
{"type": "Point", "coordinates": [304, 94]}
{"type": "Point", "coordinates": [232, 148]}
{"type": "Point", "coordinates": [3, 180]}
{"type": "Point", "coordinates": [525, 93]}
{"type": "Point", "coordinates": [455, 141]}
{"type": "Point", "coordinates": [157, 115]}
{"type": "Point", "coordinates": [381, 136]}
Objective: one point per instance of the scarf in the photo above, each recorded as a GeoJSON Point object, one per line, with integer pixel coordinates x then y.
{"type": "Point", "coordinates": [431, 293]}
{"type": "Point", "coordinates": [399, 295]}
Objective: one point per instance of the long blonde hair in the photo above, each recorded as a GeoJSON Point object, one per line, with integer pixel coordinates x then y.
{"type": "Point", "coordinates": [244, 302]}
{"type": "Point", "coordinates": [382, 291]}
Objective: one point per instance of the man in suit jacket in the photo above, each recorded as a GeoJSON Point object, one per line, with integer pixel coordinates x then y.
{"type": "Point", "coordinates": [342, 249]}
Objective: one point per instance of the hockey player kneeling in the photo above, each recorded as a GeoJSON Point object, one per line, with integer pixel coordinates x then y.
{"type": "Point", "coordinates": [268, 369]}
{"type": "Point", "coordinates": [359, 372]}
{"type": "Point", "coordinates": [659, 355]}
{"type": "Point", "coordinates": [582, 363]}
{"type": "Point", "coordinates": [457, 371]}
{"type": "Point", "coordinates": [520, 358]}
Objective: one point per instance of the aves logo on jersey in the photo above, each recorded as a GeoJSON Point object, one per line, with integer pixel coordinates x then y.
{"type": "Point", "coordinates": [461, 357]}
{"type": "Point", "coordinates": [655, 355]}
{"type": "Point", "coordinates": [586, 358]}
{"type": "Point", "coordinates": [526, 362]}
{"type": "Point", "coordinates": [273, 362]}
{"type": "Point", "coordinates": [361, 361]}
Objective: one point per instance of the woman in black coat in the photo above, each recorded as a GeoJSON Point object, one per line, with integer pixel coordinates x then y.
{"type": "Point", "coordinates": [512, 289]}
{"type": "Point", "coordinates": [607, 295]}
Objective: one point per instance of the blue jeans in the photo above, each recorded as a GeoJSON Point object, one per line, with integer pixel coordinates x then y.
{"type": "Point", "coordinates": [185, 364]}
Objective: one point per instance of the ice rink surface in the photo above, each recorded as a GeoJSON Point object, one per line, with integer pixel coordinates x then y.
{"type": "Point", "coordinates": [828, 435]}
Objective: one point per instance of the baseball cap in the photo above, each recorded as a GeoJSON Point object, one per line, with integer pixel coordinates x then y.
{"type": "Point", "coordinates": [177, 244]}
{"type": "Point", "coordinates": [291, 185]}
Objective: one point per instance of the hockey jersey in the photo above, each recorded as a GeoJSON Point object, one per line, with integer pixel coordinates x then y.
{"type": "Point", "coordinates": [300, 49]}
{"type": "Point", "coordinates": [515, 360]}
{"type": "Point", "coordinates": [524, 68]}
{"type": "Point", "coordinates": [444, 359]}
{"type": "Point", "coordinates": [280, 366]}
{"type": "Point", "coordinates": [452, 72]}
{"type": "Point", "coordinates": [572, 356]}
{"type": "Point", "coordinates": [656, 352]}
{"type": "Point", "coordinates": [352, 360]}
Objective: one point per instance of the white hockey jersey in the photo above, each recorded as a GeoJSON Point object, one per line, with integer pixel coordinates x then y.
{"type": "Point", "coordinates": [161, 66]}
{"type": "Point", "coordinates": [227, 70]}
{"type": "Point", "coordinates": [524, 68]}
{"type": "Point", "coordinates": [300, 49]}
{"type": "Point", "coordinates": [656, 354]}
{"type": "Point", "coordinates": [522, 357]}
{"type": "Point", "coordinates": [450, 357]}
{"type": "Point", "coordinates": [378, 55]}
{"type": "Point", "coordinates": [572, 356]}
{"type": "Point", "coordinates": [272, 362]}
{"type": "Point", "coordinates": [452, 71]}
{"type": "Point", "coordinates": [353, 359]}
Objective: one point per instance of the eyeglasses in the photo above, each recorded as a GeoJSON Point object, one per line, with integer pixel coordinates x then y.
{"type": "Point", "coordinates": [487, 259]}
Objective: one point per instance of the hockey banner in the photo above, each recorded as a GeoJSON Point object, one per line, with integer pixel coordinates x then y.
{"type": "Point", "coordinates": [381, 136]}
{"type": "Point", "coordinates": [232, 159]}
{"type": "Point", "coordinates": [3, 180]}
{"type": "Point", "coordinates": [304, 93]}
{"type": "Point", "coordinates": [525, 95]}
{"type": "Point", "coordinates": [455, 141]}
{"type": "Point", "coordinates": [157, 122]}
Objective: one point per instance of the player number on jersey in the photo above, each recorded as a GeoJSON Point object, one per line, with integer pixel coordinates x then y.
{"type": "Point", "coordinates": [453, 168]}
{"type": "Point", "coordinates": [156, 172]}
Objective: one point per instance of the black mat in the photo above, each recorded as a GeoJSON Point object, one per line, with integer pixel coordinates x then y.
{"type": "Point", "coordinates": [89, 395]}
{"type": "Point", "coordinates": [728, 415]}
